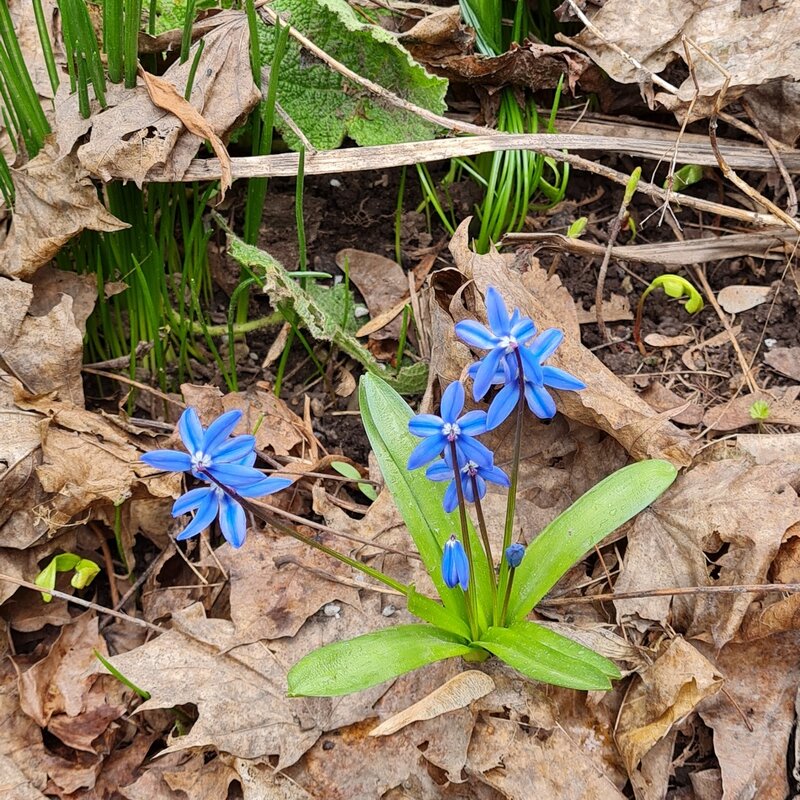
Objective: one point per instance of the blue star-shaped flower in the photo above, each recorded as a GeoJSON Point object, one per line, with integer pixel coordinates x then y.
{"type": "Point", "coordinates": [503, 337]}
{"type": "Point", "coordinates": [440, 431]}
{"type": "Point", "coordinates": [443, 471]}
{"type": "Point", "coordinates": [215, 458]}
{"type": "Point", "coordinates": [455, 565]}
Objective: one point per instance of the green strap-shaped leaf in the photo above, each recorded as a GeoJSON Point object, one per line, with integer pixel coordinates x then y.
{"type": "Point", "coordinates": [435, 613]}
{"type": "Point", "coordinates": [385, 415]}
{"type": "Point", "coordinates": [586, 522]}
{"type": "Point", "coordinates": [345, 667]}
{"type": "Point", "coordinates": [547, 656]}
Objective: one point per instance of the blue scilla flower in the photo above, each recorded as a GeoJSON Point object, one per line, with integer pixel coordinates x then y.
{"type": "Point", "coordinates": [502, 338]}
{"type": "Point", "coordinates": [216, 458]}
{"type": "Point", "coordinates": [514, 554]}
{"type": "Point", "coordinates": [455, 566]}
{"type": "Point", "coordinates": [536, 395]}
{"type": "Point", "coordinates": [440, 431]}
{"type": "Point", "coordinates": [443, 471]}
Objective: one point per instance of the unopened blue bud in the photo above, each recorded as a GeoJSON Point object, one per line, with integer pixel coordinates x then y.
{"type": "Point", "coordinates": [514, 554]}
{"type": "Point", "coordinates": [455, 566]}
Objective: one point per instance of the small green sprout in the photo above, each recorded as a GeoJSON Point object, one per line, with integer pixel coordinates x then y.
{"type": "Point", "coordinates": [349, 471]}
{"type": "Point", "coordinates": [686, 176]}
{"type": "Point", "coordinates": [85, 572]}
{"type": "Point", "coordinates": [575, 231]}
{"type": "Point", "coordinates": [673, 286]}
{"type": "Point", "coordinates": [759, 411]}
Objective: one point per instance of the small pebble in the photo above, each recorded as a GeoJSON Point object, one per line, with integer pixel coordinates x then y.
{"type": "Point", "coordinates": [360, 311]}
{"type": "Point", "coordinates": [770, 342]}
{"type": "Point", "coordinates": [332, 610]}
{"type": "Point", "coordinates": [328, 745]}
{"type": "Point", "coordinates": [317, 407]}
{"type": "Point", "coordinates": [336, 183]}
{"type": "Point", "coordinates": [389, 611]}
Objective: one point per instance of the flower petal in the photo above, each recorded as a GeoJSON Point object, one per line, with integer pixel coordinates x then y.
{"type": "Point", "coordinates": [425, 425]}
{"type": "Point", "coordinates": [496, 475]}
{"type": "Point", "coordinates": [474, 334]}
{"type": "Point", "coordinates": [485, 374]}
{"type": "Point", "coordinates": [472, 450]}
{"type": "Point", "coordinates": [219, 430]}
{"type": "Point", "coordinates": [190, 501]}
{"type": "Point", "coordinates": [232, 521]}
{"type": "Point", "coordinates": [502, 405]}
{"type": "Point", "coordinates": [450, 501]}
{"type": "Point", "coordinates": [473, 423]}
{"type": "Point", "coordinates": [558, 379]}
{"type": "Point", "coordinates": [539, 401]}
{"type": "Point", "coordinates": [439, 471]}
{"type": "Point", "coordinates": [265, 487]}
{"type": "Point", "coordinates": [546, 343]}
{"type": "Point", "coordinates": [496, 312]}
{"type": "Point", "coordinates": [203, 518]}
{"type": "Point", "coordinates": [531, 366]}
{"type": "Point", "coordinates": [426, 451]}
{"type": "Point", "coordinates": [235, 449]}
{"type": "Point", "coordinates": [452, 401]}
{"type": "Point", "coordinates": [523, 330]}
{"type": "Point", "coordinates": [236, 476]}
{"type": "Point", "coordinates": [169, 460]}
{"type": "Point", "coordinates": [191, 430]}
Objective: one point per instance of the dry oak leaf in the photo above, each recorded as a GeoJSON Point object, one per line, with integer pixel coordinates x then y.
{"type": "Point", "coordinates": [607, 403]}
{"type": "Point", "coordinates": [54, 201]}
{"type": "Point", "coordinates": [134, 139]}
{"type": "Point", "coordinates": [752, 738]}
{"type": "Point", "coordinates": [720, 523]}
{"type": "Point", "coordinates": [663, 694]}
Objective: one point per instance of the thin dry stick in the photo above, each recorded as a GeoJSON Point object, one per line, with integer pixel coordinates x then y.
{"type": "Point", "coordinates": [109, 562]}
{"type": "Point", "coordinates": [742, 588]}
{"type": "Point", "coordinates": [81, 602]}
{"type": "Point", "coordinates": [130, 382]}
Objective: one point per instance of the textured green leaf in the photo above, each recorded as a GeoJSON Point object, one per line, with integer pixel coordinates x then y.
{"type": "Point", "coordinates": [547, 656]}
{"type": "Point", "coordinates": [385, 415]}
{"type": "Point", "coordinates": [435, 613]}
{"type": "Point", "coordinates": [356, 664]}
{"type": "Point", "coordinates": [323, 321]}
{"type": "Point", "coordinates": [586, 522]}
{"type": "Point", "coordinates": [326, 106]}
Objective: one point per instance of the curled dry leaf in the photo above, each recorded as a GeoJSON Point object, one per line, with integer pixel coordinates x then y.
{"type": "Point", "coordinates": [702, 532]}
{"type": "Point", "coordinates": [54, 201]}
{"type": "Point", "coordinates": [607, 403]}
{"type": "Point", "coordinates": [663, 694]}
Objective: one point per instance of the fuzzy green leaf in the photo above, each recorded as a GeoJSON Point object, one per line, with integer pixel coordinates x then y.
{"type": "Point", "coordinates": [356, 664]}
{"type": "Point", "coordinates": [586, 522]}
{"type": "Point", "coordinates": [547, 656]}
{"type": "Point", "coordinates": [325, 105]}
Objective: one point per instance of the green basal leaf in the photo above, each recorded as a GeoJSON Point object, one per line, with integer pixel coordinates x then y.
{"type": "Point", "coordinates": [547, 656]}
{"type": "Point", "coordinates": [349, 471]}
{"type": "Point", "coordinates": [385, 415]}
{"type": "Point", "coordinates": [586, 522]}
{"type": "Point", "coordinates": [345, 667]}
{"type": "Point", "coordinates": [327, 106]}
{"type": "Point", "coordinates": [686, 176]}
{"type": "Point", "coordinates": [435, 613]}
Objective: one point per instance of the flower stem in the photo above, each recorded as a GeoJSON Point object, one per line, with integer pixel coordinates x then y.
{"type": "Point", "coordinates": [504, 583]}
{"type": "Point", "coordinates": [485, 537]}
{"type": "Point", "coordinates": [502, 621]}
{"type": "Point", "coordinates": [470, 594]}
{"type": "Point", "coordinates": [256, 511]}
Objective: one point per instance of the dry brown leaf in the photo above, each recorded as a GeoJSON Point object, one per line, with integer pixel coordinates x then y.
{"type": "Point", "coordinates": [457, 693]}
{"type": "Point", "coordinates": [722, 338]}
{"type": "Point", "coordinates": [133, 139]}
{"type": "Point", "coordinates": [662, 399]}
{"type": "Point", "coordinates": [735, 413]}
{"type": "Point", "coordinates": [767, 448]}
{"type": "Point", "coordinates": [663, 694]}
{"type": "Point", "coordinates": [616, 309]}
{"type": "Point", "coordinates": [765, 618]}
{"type": "Point", "coordinates": [703, 532]}
{"type": "Point", "coordinates": [381, 282]}
{"type": "Point", "coordinates": [785, 360]}
{"type": "Point", "coordinates": [607, 403]}
{"type": "Point", "coordinates": [762, 678]}
{"type": "Point", "coordinates": [753, 47]}
{"type": "Point", "coordinates": [54, 202]}
{"type": "Point", "coordinates": [659, 340]}
{"type": "Point", "coordinates": [735, 299]}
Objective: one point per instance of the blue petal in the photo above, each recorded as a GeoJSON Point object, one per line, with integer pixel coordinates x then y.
{"type": "Point", "coordinates": [264, 487]}
{"type": "Point", "coordinates": [473, 423]}
{"type": "Point", "coordinates": [452, 401]}
{"type": "Point", "coordinates": [191, 430]}
{"type": "Point", "coordinates": [472, 450]}
{"type": "Point", "coordinates": [235, 475]}
{"type": "Point", "coordinates": [495, 475]}
{"type": "Point", "coordinates": [558, 379]}
{"type": "Point", "coordinates": [449, 573]}
{"type": "Point", "coordinates": [462, 567]}
{"type": "Point", "coordinates": [425, 425]}
{"type": "Point", "coordinates": [546, 343]}
{"type": "Point", "coordinates": [539, 401]}
{"type": "Point", "coordinates": [439, 471]}
{"type": "Point", "coordinates": [170, 460]}
{"type": "Point", "coordinates": [486, 372]}
{"type": "Point", "coordinates": [523, 330]}
{"type": "Point", "coordinates": [450, 501]}
{"type": "Point", "coordinates": [249, 459]}
{"type": "Point", "coordinates": [219, 430]}
{"type": "Point", "coordinates": [531, 366]}
{"type": "Point", "coordinates": [475, 335]}
{"type": "Point", "coordinates": [235, 449]}
{"type": "Point", "coordinates": [232, 521]}
{"type": "Point", "coordinates": [426, 451]}
{"type": "Point", "coordinates": [190, 501]}
{"type": "Point", "coordinates": [496, 312]}
{"type": "Point", "coordinates": [502, 405]}
{"type": "Point", "coordinates": [203, 518]}
{"type": "Point", "coordinates": [466, 487]}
